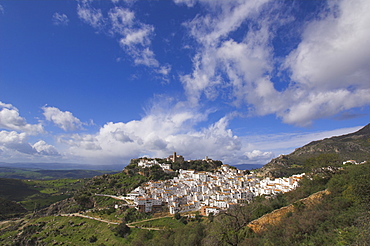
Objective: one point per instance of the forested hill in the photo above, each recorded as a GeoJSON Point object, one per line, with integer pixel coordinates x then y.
{"type": "Point", "coordinates": [353, 146]}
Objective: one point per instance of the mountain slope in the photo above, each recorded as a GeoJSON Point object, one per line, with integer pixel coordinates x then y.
{"type": "Point", "coordinates": [353, 146]}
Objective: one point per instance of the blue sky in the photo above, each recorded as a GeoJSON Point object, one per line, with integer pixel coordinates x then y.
{"type": "Point", "coordinates": [102, 82]}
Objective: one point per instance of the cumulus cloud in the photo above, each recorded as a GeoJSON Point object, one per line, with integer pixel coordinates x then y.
{"type": "Point", "coordinates": [11, 120]}
{"type": "Point", "coordinates": [60, 19]}
{"type": "Point", "coordinates": [159, 133]}
{"type": "Point", "coordinates": [242, 62]}
{"type": "Point", "coordinates": [16, 147]}
{"type": "Point", "coordinates": [329, 69]}
{"type": "Point", "coordinates": [45, 149]}
{"type": "Point", "coordinates": [16, 141]}
{"type": "Point", "coordinates": [331, 64]}
{"type": "Point", "coordinates": [259, 155]}
{"type": "Point", "coordinates": [63, 119]}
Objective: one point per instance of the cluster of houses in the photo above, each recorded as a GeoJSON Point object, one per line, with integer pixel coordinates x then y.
{"type": "Point", "coordinates": [151, 162]}
{"type": "Point", "coordinates": [147, 162]}
{"type": "Point", "coordinates": [207, 192]}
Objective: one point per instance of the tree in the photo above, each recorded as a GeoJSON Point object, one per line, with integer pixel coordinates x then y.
{"type": "Point", "coordinates": [122, 230]}
{"type": "Point", "coordinates": [177, 216]}
{"type": "Point", "coordinates": [229, 227]}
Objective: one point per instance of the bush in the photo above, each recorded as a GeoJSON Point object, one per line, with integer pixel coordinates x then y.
{"type": "Point", "coordinates": [93, 239]}
{"type": "Point", "coordinates": [122, 230]}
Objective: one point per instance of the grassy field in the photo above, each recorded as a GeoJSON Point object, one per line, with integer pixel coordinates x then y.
{"type": "Point", "coordinates": [64, 230]}
{"type": "Point", "coordinates": [58, 230]}
{"type": "Point", "coordinates": [160, 223]}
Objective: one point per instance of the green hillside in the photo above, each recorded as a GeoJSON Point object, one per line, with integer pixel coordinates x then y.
{"type": "Point", "coordinates": [37, 194]}
{"type": "Point", "coordinates": [354, 146]}
{"type": "Point", "coordinates": [339, 218]}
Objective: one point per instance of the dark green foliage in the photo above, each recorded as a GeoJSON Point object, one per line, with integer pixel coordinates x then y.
{"type": "Point", "coordinates": [142, 237]}
{"type": "Point", "coordinates": [131, 215]}
{"type": "Point", "coordinates": [156, 173]}
{"type": "Point", "coordinates": [228, 228]}
{"type": "Point", "coordinates": [190, 235]}
{"type": "Point", "coordinates": [197, 165]}
{"type": "Point", "coordinates": [113, 184]}
{"type": "Point", "coordinates": [14, 189]}
{"type": "Point", "coordinates": [122, 230]}
{"type": "Point", "coordinates": [10, 209]}
{"type": "Point", "coordinates": [177, 216]}
{"type": "Point", "coordinates": [93, 239]}
{"type": "Point", "coordinates": [84, 200]}
{"type": "Point", "coordinates": [37, 194]}
{"type": "Point", "coordinates": [322, 160]}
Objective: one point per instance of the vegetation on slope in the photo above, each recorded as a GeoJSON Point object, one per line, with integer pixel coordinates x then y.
{"type": "Point", "coordinates": [354, 146]}
{"type": "Point", "coordinates": [340, 218]}
{"type": "Point", "coordinates": [35, 194]}
{"type": "Point", "coordinates": [10, 209]}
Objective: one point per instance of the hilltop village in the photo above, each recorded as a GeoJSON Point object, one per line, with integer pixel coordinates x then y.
{"type": "Point", "coordinates": [207, 192]}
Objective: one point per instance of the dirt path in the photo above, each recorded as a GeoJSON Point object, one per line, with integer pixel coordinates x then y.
{"type": "Point", "coordinates": [90, 217]}
{"type": "Point", "coordinates": [136, 222]}
{"type": "Point", "coordinates": [131, 225]}
{"type": "Point", "coordinates": [145, 228]}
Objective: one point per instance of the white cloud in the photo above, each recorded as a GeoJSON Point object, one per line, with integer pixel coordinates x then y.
{"type": "Point", "coordinates": [134, 36]}
{"type": "Point", "coordinates": [2, 9]}
{"type": "Point", "coordinates": [11, 120]}
{"type": "Point", "coordinates": [162, 131]}
{"type": "Point", "coordinates": [45, 149]}
{"type": "Point", "coordinates": [121, 19]}
{"type": "Point", "coordinates": [15, 147]}
{"type": "Point", "coordinates": [333, 53]}
{"type": "Point", "coordinates": [15, 141]}
{"type": "Point", "coordinates": [165, 70]}
{"type": "Point", "coordinates": [329, 68]}
{"type": "Point", "coordinates": [60, 19]}
{"type": "Point", "coordinates": [224, 17]}
{"type": "Point", "coordinates": [331, 64]}
{"type": "Point", "coordinates": [90, 15]}
{"type": "Point", "coordinates": [65, 120]}
{"type": "Point", "coordinates": [243, 62]}
{"type": "Point", "coordinates": [259, 155]}
{"type": "Point", "coordinates": [189, 3]}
